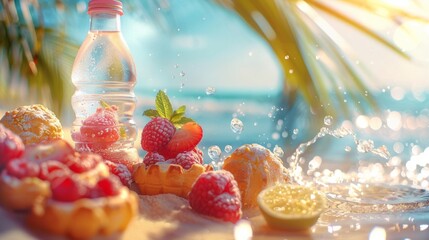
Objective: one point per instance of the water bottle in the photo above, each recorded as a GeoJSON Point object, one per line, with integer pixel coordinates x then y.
{"type": "Point", "coordinates": [104, 78]}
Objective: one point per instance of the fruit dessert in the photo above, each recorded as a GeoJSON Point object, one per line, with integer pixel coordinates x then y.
{"type": "Point", "coordinates": [100, 133]}
{"type": "Point", "coordinates": [33, 123]}
{"type": "Point", "coordinates": [20, 185]}
{"type": "Point", "coordinates": [173, 161]}
{"type": "Point", "coordinates": [216, 194]}
{"type": "Point", "coordinates": [11, 146]}
{"type": "Point", "coordinates": [81, 209]}
{"type": "Point", "coordinates": [25, 179]}
{"type": "Point", "coordinates": [254, 168]}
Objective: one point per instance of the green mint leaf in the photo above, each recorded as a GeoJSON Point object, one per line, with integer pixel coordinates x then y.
{"type": "Point", "coordinates": [178, 114]}
{"type": "Point", "coordinates": [152, 113]}
{"type": "Point", "coordinates": [182, 121]}
{"type": "Point", "coordinates": [163, 105]}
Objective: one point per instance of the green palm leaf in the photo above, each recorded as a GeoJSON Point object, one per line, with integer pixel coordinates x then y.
{"type": "Point", "coordinates": [294, 27]}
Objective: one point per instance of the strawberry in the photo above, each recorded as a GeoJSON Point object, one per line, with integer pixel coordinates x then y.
{"type": "Point", "coordinates": [51, 169]}
{"type": "Point", "coordinates": [11, 146]}
{"type": "Point", "coordinates": [68, 188]}
{"type": "Point", "coordinates": [186, 159]}
{"type": "Point", "coordinates": [185, 139]}
{"type": "Point", "coordinates": [102, 126]}
{"type": "Point", "coordinates": [106, 186]}
{"type": "Point", "coordinates": [121, 171]}
{"type": "Point", "coordinates": [48, 150]}
{"type": "Point", "coordinates": [152, 158]}
{"type": "Point", "coordinates": [216, 194]}
{"type": "Point", "coordinates": [22, 168]}
{"type": "Point", "coordinates": [156, 134]}
{"type": "Point", "coordinates": [82, 162]}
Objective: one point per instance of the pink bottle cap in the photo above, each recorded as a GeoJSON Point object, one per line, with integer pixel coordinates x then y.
{"type": "Point", "coordinates": [110, 6]}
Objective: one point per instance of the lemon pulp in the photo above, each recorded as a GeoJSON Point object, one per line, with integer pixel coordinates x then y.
{"type": "Point", "coordinates": [291, 207]}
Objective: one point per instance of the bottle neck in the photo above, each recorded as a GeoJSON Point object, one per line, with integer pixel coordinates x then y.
{"type": "Point", "coordinates": [108, 22]}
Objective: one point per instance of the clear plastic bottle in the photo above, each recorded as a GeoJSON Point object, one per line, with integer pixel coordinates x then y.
{"type": "Point", "coordinates": [104, 77]}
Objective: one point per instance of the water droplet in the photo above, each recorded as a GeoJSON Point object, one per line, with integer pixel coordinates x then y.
{"type": "Point", "coordinates": [182, 73]}
{"type": "Point", "coordinates": [236, 125]}
{"type": "Point", "coordinates": [278, 151]}
{"type": "Point", "coordinates": [347, 148]}
{"type": "Point", "coordinates": [210, 90]}
{"type": "Point", "coordinates": [296, 131]}
{"type": "Point", "coordinates": [214, 152]}
{"type": "Point", "coordinates": [328, 120]}
{"type": "Point", "coordinates": [290, 71]}
{"type": "Point", "coordinates": [286, 57]}
{"type": "Point", "coordinates": [228, 148]}
{"type": "Point", "coordinates": [176, 65]}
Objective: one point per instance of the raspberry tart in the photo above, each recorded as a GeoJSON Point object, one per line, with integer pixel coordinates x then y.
{"type": "Point", "coordinates": [20, 185]}
{"type": "Point", "coordinates": [173, 161]}
{"type": "Point", "coordinates": [80, 209]}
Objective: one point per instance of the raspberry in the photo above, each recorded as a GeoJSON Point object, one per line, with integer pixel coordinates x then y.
{"type": "Point", "coordinates": [21, 168]}
{"type": "Point", "coordinates": [156, 134]}
{"type": "Point", "coordinates": [186, 159]}
{"type": "Point", "coordinates": [102, 126]}
{"type": "Point", "coordinates": [152, 158]}
{"type": "Point", "coordinates": [11, 146]}
{"type": "Point", "coordinates": [107, 186]}
{"type": "Point", "coordinates": [68, 189]}
{"type": "Point", "coordinates": [199, 154]}
{"type": "Point", "coordinates": [216, 194]}
{"type": "Point", "coordinates": [82, 162]}
{"type": "Point", "coordinates": [121, 171]}
{"type": "Point", "coordinates": [51, 169]}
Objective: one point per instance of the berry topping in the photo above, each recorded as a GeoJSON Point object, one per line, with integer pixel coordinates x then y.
{"type": "Point", "coordinates": [186, 159]}
{"type": "Point", "coordinates": [185, 139]}
{"type": "Point", "coordinates": [169, 132]}
{"type": "Point", "coordinates": [48, 150]}
{"type": "Point", "coordinates": [107, 186]}
{"type": "Point", "coordinates": [199, 154]}
{"type": "Point", "coordinates": [216, 194]}
{"type": "Point", "coordinates": [102, 126]}
{"type": "Point", "coordinates": [156, 134]}
{"type": "Point", "coordinates": [68, 188]}
{"type": "Point", "coordinates": [82, 162]}
{"type": "Point", "coordinates": [121, 171]}
{"type": "Point", "coordinates": [51, 169]}
{"type": "Point", "coordinates": [152, 158]}
{"type": "Point", "coordinates": [11, 146]}
{"type": "Point", "coordinates": [21, 168]}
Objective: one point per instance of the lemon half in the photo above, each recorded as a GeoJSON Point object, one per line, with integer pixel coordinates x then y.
{"type": "Point", "coordinates": [291, 207]}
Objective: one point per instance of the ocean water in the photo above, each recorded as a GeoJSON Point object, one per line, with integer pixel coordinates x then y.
{"type": "Point", "coordinates": [400, 125]}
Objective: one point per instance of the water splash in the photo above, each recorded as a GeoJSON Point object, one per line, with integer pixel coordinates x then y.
{"type": "Point", "coordinates": [363, 146]}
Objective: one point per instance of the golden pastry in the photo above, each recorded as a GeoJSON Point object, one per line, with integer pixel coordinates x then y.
{"type": "Point", "coordinates": [254, 168]}
{"type": "Point", "coordinates": [33, 123]}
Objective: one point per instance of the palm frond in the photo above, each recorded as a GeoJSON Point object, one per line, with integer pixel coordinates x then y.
{"type": "Point", "coordinates": [36, 58]}
{"type": "Point", "coordinates": [324, 66]}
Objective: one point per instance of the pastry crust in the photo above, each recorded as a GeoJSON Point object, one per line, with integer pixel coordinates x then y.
{"type": "Point", "coordinates": [167, 178]}
{"type": "Point", "coordinates": [21, 194]}
{"type": "Point", "coordinates": [254, 168]}
{"type": "Point", "coordinates": [33, 123]}
{"type": "Point", "coordinates": [85, 218]}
